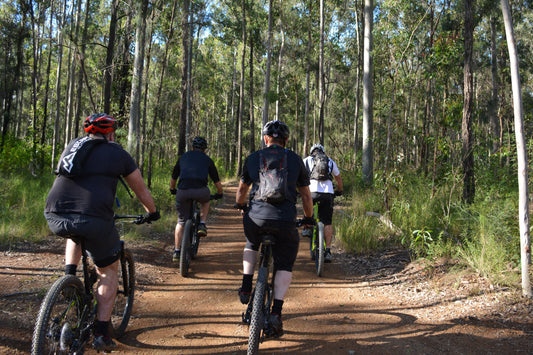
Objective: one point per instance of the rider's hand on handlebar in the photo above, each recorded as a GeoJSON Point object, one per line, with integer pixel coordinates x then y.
{"type": "Point", "coordinates": [338, 193]}
{"type": "Point", "coordinates": [173, 191]}
{"type": "Point", "coordinates": [240, 206]}
{"type": "Point", "coordinates": [217, 196]}
{"type": "Point", "coordinates": [148, 217]}
{"type": "Point", "coordinates": [307, 221]}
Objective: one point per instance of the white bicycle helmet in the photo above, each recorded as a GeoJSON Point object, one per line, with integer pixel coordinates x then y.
{"type": "Point", "coordinates": [317, 146]}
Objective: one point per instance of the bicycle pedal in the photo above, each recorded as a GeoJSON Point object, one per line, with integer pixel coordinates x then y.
{"type": "Point", "coordinates": [246, 318]}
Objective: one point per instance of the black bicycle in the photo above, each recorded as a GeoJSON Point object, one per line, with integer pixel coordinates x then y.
{"type": "Point", "coordinates": [257, 313]}
{"type": "Point", "coordinates": [191, 240]}
{"type": "Point", "coordinates": [317, 243]}
{"type": "Point", "coordinates": [68, 312]}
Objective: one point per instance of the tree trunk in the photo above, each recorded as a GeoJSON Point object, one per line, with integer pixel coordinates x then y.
{"type": "Point", "coordinates": [468, 106]}
{"type": "Point", "coordinates": [368, 97]}
{"type": "Point", "coordinates": [267, 72]}
{"type": "Point", "coordinates": [251, 93]}
{"type": "Point", "coordinates": [108, 70]}
{"type": "Point", "coordinates": [523, 211]}
{"type": "Point", "coordinates": [182, 141]}
{"type": "Point", "coordinates": [241, 90]}
{"type": "Point", "coordinates": [321, 77]}
{"type": "Point", "coordinates": [136, 87]}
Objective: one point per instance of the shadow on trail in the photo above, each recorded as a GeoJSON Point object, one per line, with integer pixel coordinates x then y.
{"type": "Point", "coordinates": [370, 331]}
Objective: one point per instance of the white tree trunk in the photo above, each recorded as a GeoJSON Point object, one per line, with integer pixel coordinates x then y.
{"type": "Point", "coordinates": [368, 96]}
{"type": "Point", "coordinates": [523, 208]}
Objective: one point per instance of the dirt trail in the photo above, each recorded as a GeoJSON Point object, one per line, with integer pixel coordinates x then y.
{"type": "Point", "coordinates": [344, 312]}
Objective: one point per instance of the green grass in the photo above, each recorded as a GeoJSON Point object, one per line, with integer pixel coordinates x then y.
{"type": "Point", "coordinates": [434, 223]}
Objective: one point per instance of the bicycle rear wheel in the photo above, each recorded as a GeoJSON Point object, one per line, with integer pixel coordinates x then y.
{"type": "Point", "coordinates": [185, 255]}
{"type": "Point", "coordinates": [319, 249]}
{"type": "Point", "coordinates": [125, 295]}
{"type": "Point", "coordinates": [58, 325]}
{"type": "Point", "coordinates": [257, 322]}
{"type": "Point", "coordinates": [195, 238]}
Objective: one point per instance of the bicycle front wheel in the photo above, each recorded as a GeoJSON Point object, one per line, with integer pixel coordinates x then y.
{"type": "Point", "coordinates": [59, 325]}
{"type": "Point", "coordinates": [125, 293]}
{"type": "Point", "coordinates": [185, 255]}
{"type": "Point", "coordinates": [320, 249]}
{"type": "Point", "coordinates": [257, 321]}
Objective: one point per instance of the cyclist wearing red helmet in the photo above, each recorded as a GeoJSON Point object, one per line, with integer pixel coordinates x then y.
{"type": "Point", "coordinates": [277, 215]}
{"type": "Point", "coordinates": [80, 203]}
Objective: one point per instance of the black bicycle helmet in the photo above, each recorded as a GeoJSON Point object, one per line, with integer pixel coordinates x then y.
{"type": "Point", "coordinates": [100, 123]}
{"type": "Point", "coordinates": [276, 129]}
{"type": "Point", "coordinates": [317, 146]}
{"type": "Point", "coordinates": [199, 143]}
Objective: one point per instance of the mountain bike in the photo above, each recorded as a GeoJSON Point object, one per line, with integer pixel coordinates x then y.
{"type": "Point", "coordinates": [190, 240]}
{"type": "Point", "coordinates": [68, 311]}
{"type": "Point", "coordinates": [317, 242]}
{"type": "Point", "coordinates": [257, 313]}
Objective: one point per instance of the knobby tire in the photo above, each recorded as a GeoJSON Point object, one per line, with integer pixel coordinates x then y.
{"type": "Point", "coordinates": [185, 255]}
{"type": "Point", "coordinates": [258, 317]}
{"type": "Point", "coordinates": [320, 249]}
{"type": "Point", "coordinates": [195, 238]}
{"type": "Point", "coordinates": [125, 295]}
{"type": "Point", "coordinates": [60, 312]}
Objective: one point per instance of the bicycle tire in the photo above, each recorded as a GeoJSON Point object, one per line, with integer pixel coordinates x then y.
{"type": "Point", "coordinates": [185, 255]}
{"type": "Point", "coordinates": [320, 249]}
{"type": "Point", "coordinates": [125, 295]}
{"type": "Point", "coordinates": [257, 321]}
{"type": "Point", "coordinates": [59, 317]}
{"type": "Point", "coordinates": [195, 244]}
{"type": "Point", "coordinates": [312, 239]}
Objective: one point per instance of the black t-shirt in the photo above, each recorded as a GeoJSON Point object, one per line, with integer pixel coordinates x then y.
{"type": "Point", "coordinates": [193, 169]}
{"type": "Point", "coordinates": [94, 192]}
{"type": "Point", "coordinates": [297, 177]}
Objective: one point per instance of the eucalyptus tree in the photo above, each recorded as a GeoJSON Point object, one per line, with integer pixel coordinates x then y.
{"type": "Point", "coordinates": [468, 105]}
{"type": "Point", "coordinates": [525, 245]}
{"type": "Point", "coordinates": [368, 96]}
{"type": "Point", "coordinates": [136, 88]}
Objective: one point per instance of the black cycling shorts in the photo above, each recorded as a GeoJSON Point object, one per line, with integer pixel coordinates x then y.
{"type": "Point", "coordinates": [101, 238]}
{"type": "Point", "coordinates": [325, 206]}
{"type": "Point", "coordinates": [285, 235]}
{"type": "Point", "coordinates": [184, 200]}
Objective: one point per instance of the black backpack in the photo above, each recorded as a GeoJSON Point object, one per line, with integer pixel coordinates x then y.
{"type": "Point", "coordinates": [320, 170]}
{"type": "Point", "coordinates": [273, 178]}
{"type": "Point", "coordinates": [71, 164]}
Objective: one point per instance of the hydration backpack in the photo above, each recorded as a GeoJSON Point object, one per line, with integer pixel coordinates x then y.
{"type": "Point", "coordinates": [273, 178]}
{"type": "Point", "coordinates": [320, 167]}
{"type": "Point", "coordinates": [71, 164]}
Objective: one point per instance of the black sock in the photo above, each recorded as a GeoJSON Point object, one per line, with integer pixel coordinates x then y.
{"type": "Point", "coordinates": [247, 283]}
{"type": "Point", "coordinates": [101, 328]}
{"type": "Point", "coordinates": [70, 269]}
{"type": "Point", "coordinates": [277, 306]}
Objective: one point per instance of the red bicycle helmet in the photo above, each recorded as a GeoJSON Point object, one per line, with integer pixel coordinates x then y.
{"type": "Point", "coordinates": [100, 123]}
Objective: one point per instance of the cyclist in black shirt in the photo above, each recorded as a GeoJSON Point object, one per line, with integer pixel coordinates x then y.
{"type": "Point", "coordinates": [82, 206]}
{"type": "Point", "coordinates": [191, 173]}
{"type": "Point", "coordinates": [278, 218]}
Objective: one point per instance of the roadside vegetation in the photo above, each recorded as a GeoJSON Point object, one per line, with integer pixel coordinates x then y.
{"type": "Point", "coordinates": [404, 210]}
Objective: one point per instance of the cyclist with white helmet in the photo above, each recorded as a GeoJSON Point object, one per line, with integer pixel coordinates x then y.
{"type": "Point", "coordinates": [190, 174]}
{"type": "Point", "coordinates": [321, 169]}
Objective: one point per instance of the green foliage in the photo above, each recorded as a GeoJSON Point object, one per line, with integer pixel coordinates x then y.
{"type": "Point", "coordinates": [21, 210]}
{"type": "Point", "coordinates": [434, 223]}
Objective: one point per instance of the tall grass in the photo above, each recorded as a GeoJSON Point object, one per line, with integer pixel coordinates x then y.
{"type": "Point", "coordinates": [21, 207]}
{"type": "Point", "coordinates": [432, 222]}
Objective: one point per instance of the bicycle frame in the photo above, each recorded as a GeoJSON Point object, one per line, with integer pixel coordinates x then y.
{"type": "Point", "coordinates": [68, 311]}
